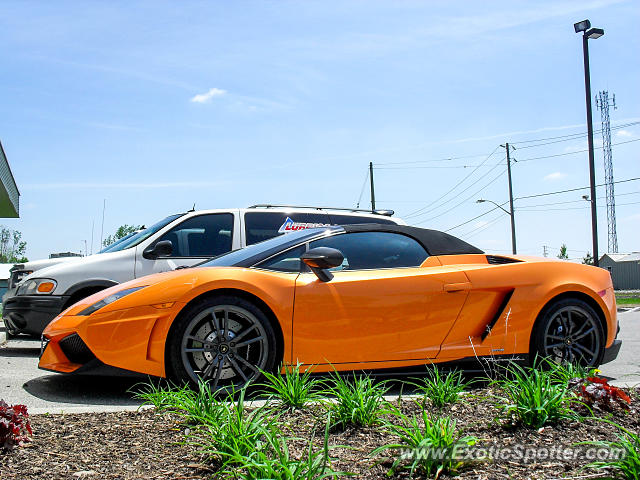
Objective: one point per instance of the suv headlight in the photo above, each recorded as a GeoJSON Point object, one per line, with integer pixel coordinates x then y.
{"type": "Point", "coordinates": [107, 300]}
{"type": "Point", "coordinates": [37, 286]}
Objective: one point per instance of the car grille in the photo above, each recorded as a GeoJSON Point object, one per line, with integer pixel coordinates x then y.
{"type": "Point", "coordinates": [76, 350]}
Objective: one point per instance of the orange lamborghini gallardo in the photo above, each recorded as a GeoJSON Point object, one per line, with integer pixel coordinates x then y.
{"type": "Point", "coordinates": [354, 297]}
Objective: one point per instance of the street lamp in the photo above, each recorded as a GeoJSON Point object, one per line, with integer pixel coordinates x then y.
{"type": "Point", "coordinates": [513, 221]}
{"type": "Point", "coordinates": [588, 32]}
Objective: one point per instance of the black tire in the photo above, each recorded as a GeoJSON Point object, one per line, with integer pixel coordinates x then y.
{"type": "Point", "coordinates": [201, 345]}
{"type": "Point", "coordinates": [569, 331]}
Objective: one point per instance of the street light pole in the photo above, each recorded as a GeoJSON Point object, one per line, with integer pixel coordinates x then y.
{"type": "Point", "coordinates": [588, 32]}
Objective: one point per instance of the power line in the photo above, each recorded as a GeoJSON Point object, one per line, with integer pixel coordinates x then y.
{"type": "Point", "coordinates": [364, 184]}
{"type": "Point", "coordinates": [474, 218]}
{"type": "Point", "coordinates": [577, 135]}
{"type": "Point", "coordinates": [529, 209]}
{"type": "Point", "coordinates": [574, 152]}
{"type": "Point", "coordinates": [575, 201]}
{"type": "Point", "coordinates": [574, 189]}
{"type": "Point", "coordinates": [420, 210]}
{"type": "Point", "coordinates": [463, 201]}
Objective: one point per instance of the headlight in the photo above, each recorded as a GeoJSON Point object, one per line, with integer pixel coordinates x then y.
{"type": "Point", "coordinates": [37, 286]}
{"type": "Point", "coordinates": [110, 299]}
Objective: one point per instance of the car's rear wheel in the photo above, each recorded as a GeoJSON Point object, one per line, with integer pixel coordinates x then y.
{"type": "Point", "coordinates": [569, 331]}
{"type": "Point", "coordinates": [226, 341]}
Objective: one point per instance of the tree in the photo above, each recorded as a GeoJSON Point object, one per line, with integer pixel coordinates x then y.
{"type": "Point", "coordinates": [121, 232]}
{"type": "Point", "coordinates": [12, 247]}
{"type": "Point", "coordinates": [588, 259]}
{"type": "Point", "coordinates": [563, 252]}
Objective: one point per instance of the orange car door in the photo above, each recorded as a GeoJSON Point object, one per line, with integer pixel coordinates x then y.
{"type": "Point", "coordinates": [377, 315]}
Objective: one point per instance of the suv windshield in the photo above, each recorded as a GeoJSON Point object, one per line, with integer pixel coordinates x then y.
{"type": "Point", "coordinates": [248, 256]}
{"type": "Point", "coordinates": [115, 245]}
{"type": "Point", "coordinates": [134, 239]}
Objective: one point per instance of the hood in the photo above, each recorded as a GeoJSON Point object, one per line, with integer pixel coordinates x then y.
{"type": "Point", "coordinates": [45, 262]}
{"type": "Point", "coordinates": [102, 266]}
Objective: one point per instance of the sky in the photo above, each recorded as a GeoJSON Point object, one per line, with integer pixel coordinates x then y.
{"type": "Point", "coordinates": [152, 107]}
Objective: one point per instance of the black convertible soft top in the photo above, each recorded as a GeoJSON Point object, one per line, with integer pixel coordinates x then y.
{"type": "Point", "coordinates": [435, 242]}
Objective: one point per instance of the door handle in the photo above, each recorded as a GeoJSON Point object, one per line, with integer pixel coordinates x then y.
{"type": "Point", "coordinates": [457, 287]}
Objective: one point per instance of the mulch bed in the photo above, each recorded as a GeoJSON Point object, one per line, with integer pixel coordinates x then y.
{"type": "Point", "coordinates": [145, 445]}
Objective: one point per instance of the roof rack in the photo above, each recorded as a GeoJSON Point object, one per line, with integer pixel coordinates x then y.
{"type": "Point", "coordinates": [386, 213]}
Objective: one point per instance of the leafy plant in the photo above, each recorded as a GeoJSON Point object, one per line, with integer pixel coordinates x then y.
{"type": "Point", "coordinates": [15, 427]}
{"type": "Point", "coordinates": [595, 392]}
{"type": "Point", "coordinates": [276, 463]}
{"type": "Point", "coordinates": [193, 405]}
{"type": "Point", "coordinates": [430, 447]}
{"type": "Point", "coordinates": [569, 372]}
{"type": "Point", "coordinates": [441, 389]}
{"type": "Point", "coordinates": [359, 401]}
{"type": "Point", "coordinates": [293, 389]}
{"type": "Point", "coordinates": [533, 397]}
{"type": "Point", "coordinates": [231, 432]}
{"type": "Point", "coordinates": [625, 461]}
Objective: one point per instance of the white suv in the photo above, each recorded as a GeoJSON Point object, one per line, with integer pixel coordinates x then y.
{"type": "Point", "coordinates": [36, 295]}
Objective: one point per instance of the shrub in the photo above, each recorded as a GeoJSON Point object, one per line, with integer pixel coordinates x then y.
{"type": "Point", "coordinates": [359, 402]}
{"type": "Point", "coordinates": [293, 390]}
{"type": "Point", "coordinates": [15, 428]}
{"type": "Point", "coordinates": [430, 448]}
{"type": "Point", "coordinates": [533, 397]}
{"type": "Point", "coordinates": [441, 389]}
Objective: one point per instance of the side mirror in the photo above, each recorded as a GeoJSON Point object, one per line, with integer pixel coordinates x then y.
{"type": "Point", "coordinates": [160, 249]}
{"type": "Point", "coordinates": [321, 259]}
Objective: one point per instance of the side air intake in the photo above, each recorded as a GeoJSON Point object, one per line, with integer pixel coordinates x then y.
{"type": "Point", "coordinates": [495, 260]}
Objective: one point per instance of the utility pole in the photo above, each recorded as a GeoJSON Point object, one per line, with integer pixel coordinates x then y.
{"type": "Point", "coordinates": [373, 194]}
{"type": "Point", "coordinates": [511, 211]}
{"type": "Point", "coordinates": [603, 103]}
{"type": "Point", "coordinates": [545, 252]}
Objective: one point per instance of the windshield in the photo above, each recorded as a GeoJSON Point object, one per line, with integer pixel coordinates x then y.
{"type": "Point", "coordinates": [114, 246]}
{"type": "Point", "coordinates": [246, 257]}
{"type": "Point", "coordinates": [136, 238]}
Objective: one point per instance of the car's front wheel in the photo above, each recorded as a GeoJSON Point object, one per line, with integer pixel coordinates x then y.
{"type": "Point", "coordinates": [569, 331]}
{"type": "Point", "coordinates": [226, 341]}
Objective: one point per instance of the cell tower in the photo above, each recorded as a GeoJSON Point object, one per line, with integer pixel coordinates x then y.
{"type": "Point", "coordinates": [603, 102]}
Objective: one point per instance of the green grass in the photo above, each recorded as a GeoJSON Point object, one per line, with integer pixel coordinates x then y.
{"type": "Point", "coordinates": [430, 446]}
{"type": "Point", "coordinates": [441, 389]}
{"type": "Point", "coordinates": [359, 401]}
{"type": "Point", "coordinates": [293, 389]}
{"type": "Point", "coordinates": [534, 396]}
{"type": "Point", "coordinates": [627, 300]}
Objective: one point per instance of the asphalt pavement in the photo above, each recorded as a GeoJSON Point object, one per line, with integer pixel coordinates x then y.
{"type": "Point", "coordinates": [22, 382]}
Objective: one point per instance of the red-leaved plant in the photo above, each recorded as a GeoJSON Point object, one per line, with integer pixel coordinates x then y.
{"type": "Point", "coordinates": [596, 393]}
{"type": "Point", "coordinates": [14, 425]}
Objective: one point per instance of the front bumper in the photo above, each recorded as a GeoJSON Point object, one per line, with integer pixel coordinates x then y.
{"type": "Point", "coordinates": [31, 313]}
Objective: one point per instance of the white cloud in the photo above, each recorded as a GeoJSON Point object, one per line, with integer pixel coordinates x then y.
{"type": "Point", "coordinates": [624, 134]}
{"type": "Point", "coordinates": [552, 177]}
{"type": "Point", "coordinates": [206, 97]}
